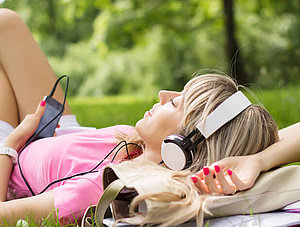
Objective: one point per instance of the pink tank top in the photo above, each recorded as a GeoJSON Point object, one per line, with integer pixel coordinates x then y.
{"type": "Point", "coordinates": [49, 159]}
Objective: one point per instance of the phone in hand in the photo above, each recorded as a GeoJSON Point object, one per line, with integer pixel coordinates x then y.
{"type": "Point", "coordinates": [49, 120]}
{"type": "Point", "coordinates": [52, 115]}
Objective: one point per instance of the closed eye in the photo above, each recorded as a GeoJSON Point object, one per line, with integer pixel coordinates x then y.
{"type": "Point", "coordinates": [172, 102]}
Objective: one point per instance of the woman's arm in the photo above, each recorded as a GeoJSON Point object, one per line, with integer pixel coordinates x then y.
{"type": "Point", "coordinates": [6, 167]}
{"type": "Point", "coordinates": [35, 207]}
{"type": "Point", "coordinates": [16, 140]}
{"type": "Point", "coordinates": [285, 151]}
{"type": "Point", "coordinates": [246, 169]}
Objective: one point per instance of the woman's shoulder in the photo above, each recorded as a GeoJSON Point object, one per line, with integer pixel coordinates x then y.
{"type": "Point", "coordinates": [127, 129]}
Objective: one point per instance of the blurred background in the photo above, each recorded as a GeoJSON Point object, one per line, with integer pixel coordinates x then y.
{"type": "Point", "coordinates": [121, 47]}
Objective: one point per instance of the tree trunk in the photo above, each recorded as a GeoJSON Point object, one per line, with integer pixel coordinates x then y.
{"type": "Point", "coordinates": [233, 52]}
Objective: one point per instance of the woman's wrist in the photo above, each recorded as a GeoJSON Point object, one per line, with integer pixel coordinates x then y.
{"type": "Point", "coordinates": [10, 152]}
{"type": "Point", "coordinates": [260, 160]}
{"type": "Point", "coordinates": [9, 142]}
{"type": "Point", "coordinates": [267, 159]}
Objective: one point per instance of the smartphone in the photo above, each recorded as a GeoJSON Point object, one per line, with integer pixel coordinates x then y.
{"type": "Point", "coordinates": [51, 117]}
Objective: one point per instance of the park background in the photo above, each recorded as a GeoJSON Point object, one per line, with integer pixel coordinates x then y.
{"type": "Point", "coordinates": [120, 53]}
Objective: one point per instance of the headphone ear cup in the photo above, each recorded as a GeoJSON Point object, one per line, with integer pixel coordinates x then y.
{"type": "Point", "coordinates": [173, 154]}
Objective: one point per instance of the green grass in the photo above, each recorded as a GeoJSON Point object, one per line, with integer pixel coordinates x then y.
{"type": "Point", "coordinates": [283, 104]}
{"type": "Point", "coordinates": [110, 110]}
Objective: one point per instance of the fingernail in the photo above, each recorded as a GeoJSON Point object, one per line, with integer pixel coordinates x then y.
{"type": "Point", "coordinates": [43, 103]}
{"type": "Point", "coordinates": [229, 172]}
{"type": "Point", "coordinates": [194, 178]}
{"type": "Point", "coordinates": [205, 171]}
{"type": "Point", "coordinates": [58, 126]}
{"type": "Point", "coordinates": [217, 168]}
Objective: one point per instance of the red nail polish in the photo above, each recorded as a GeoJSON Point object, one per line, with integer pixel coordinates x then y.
{"type": "Point", "coordinates": [217, 168]}
{"type": "Point", "coordinates": [43, 103]}
{"type": "Point", "coordinates": [194, 178]}
{"type": "Point", "coordinates": [205, 171]}
{"type": "Point", "coordinates": [229, 172]}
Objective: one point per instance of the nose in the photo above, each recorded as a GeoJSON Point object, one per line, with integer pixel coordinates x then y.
{"type": "Point", "coordinates": [166, 96]}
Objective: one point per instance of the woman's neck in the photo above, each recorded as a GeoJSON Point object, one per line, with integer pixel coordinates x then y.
{"type": "Point", "coordinates": [151, 155]}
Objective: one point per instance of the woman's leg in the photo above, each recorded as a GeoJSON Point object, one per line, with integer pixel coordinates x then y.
{"type": "Point", "coordinates": [25, 66]}
{"type": "Point", "coordinates": [9, 109]}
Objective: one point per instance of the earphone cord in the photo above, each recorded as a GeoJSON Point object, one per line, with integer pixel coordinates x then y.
{"type": "Point", "coordinates": [34, 137]}
{"type": "Point", "coordinates": [93, 169]}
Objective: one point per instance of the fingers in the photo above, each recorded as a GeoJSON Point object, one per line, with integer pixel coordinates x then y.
{"type": "Point", "coordinates": [200, 174]}
{"type": "Point", "coordinates": [224, 184]}
{"type": "Point", "coordinates": [209, 181]}
{"type": "Point", "coordinates": [205, 181]}
{"type": "Point", "coordinates": [236, 180]}
{"type": "Point", "coordinates": [40, 110]}
{"type": "Point", "coordinates": [199, 184]}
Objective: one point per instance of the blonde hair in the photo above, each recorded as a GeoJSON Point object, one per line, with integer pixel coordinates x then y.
{"type": "Point", "coordinates": [178, 200]}
{"type": "Point", "coordinates": [250, 132]}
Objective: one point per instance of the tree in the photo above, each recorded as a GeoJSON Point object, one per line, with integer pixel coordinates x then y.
{"type": "Point", "coordinates": [233, 51]}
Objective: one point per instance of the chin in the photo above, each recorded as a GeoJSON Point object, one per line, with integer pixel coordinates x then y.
{"type": "Point", "coordinates": [142, 130]}
{"type": "Point", "coordinates": [139, 126]}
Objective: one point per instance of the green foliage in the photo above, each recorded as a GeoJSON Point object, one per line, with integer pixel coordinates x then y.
{"type": "Point", "coordinates": [66, 20]}
{"type": "Point", "coordinates": [269, 36]}
{"type": "Point", "coordinates": [141, 46]}
{"type": "Point", "coordinates": [143, 69]}
{"type": "Point", "coordinates": [79, 62]}
{"type": "Point", "coordinates": [149, 50]}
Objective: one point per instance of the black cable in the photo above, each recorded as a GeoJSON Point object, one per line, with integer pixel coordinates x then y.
{"type": "Point", "coordinates": [34, 137]}
{"type": "Point", "coordinates": [127, 152]}
{"type": "Point", "coordinates": [89, 171]}
{"type": "Point", "coordinates": [56, 83]}
{"type": "Point", "coordinates": [161, 162]}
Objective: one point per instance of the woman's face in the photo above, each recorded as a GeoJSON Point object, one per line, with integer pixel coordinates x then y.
{"type": "Point", "coordinates": [165, 118]}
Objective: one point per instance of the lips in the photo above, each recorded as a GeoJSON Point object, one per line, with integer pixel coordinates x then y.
{"type": "Point", "coordinates": [148, 113]}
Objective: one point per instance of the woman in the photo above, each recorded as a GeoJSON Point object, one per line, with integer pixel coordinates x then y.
{"type": "Point", "coordinates": [26, 76]}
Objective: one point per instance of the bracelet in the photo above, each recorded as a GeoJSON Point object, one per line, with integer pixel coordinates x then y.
{"type": "Point", "coordinates": [10, 152]}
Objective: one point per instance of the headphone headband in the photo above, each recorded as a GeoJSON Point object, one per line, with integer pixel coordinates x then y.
{"type": "Point", "coordinates": [224, 113]}
{"type": "Point", "coordinates": [178, 152]}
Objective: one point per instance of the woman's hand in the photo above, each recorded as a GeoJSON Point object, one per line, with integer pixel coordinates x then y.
{"type": "Point", "coordinates": [244, 169]}
{"type": "Point", "coordinates": [26, 128]}
{"type": "Point", "coordinates": [231, 174]}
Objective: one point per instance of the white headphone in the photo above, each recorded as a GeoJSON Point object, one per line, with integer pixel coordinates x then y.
{"type": "Point", "coordinates": [178, 152]}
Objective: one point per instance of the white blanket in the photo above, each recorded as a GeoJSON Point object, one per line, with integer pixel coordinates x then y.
{"type": "Point", "coordinates": [270, 219]}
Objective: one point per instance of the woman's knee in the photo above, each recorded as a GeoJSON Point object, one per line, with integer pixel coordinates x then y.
{"type": "Point", "coordinates": [9, 20]}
